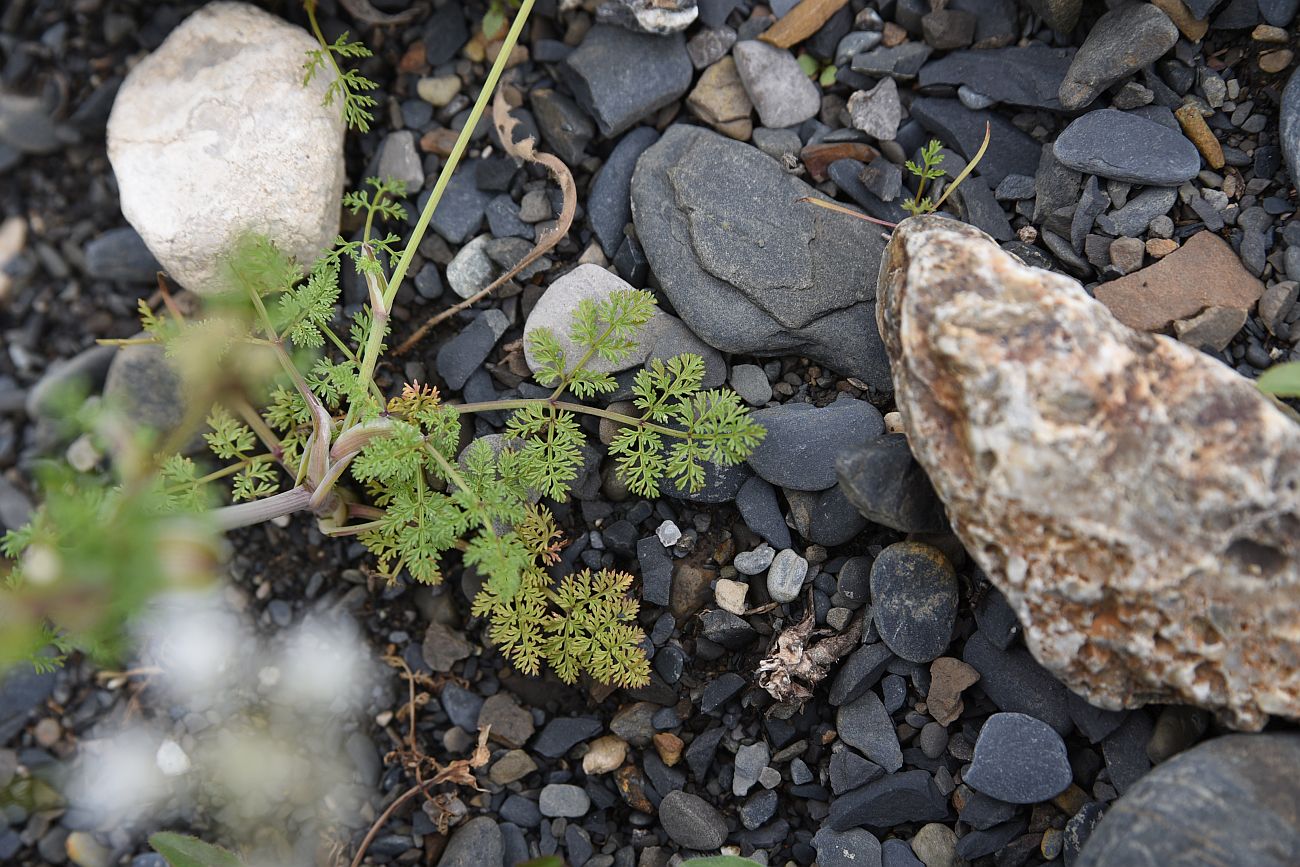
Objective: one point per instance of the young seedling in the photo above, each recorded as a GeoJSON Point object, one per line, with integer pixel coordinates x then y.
{"type": "Point", "coordinates": [930, 168]}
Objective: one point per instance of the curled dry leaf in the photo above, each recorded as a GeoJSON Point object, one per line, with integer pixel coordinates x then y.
{"type": "Point", "coordinates": [526, 150]}
{"type": "Point", "coordinates": [362, 10]}
{"type": "Point", "coordinates": [795, 664]}
{"type": "Point", "coordinates": [461, 771]}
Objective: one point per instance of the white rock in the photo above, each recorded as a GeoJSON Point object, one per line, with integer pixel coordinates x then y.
{"type": "Point", "coordinates": [171, 759]}
{"type": "Point", "coordinates": [555, 309]}
{"type": "Point", "coordinates": [668, 534]}
{"type": "Point", "coordinates": [785, 577]}
{"type": "Point", "coordinates": [214, 135]}
{"type": "Point", "coordinates": [730, 595]}
{"type": "Point", "coordinates": [877, 112]}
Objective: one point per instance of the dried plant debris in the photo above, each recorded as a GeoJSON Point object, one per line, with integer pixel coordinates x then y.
{"type": "Point", "coordinates": [800, 658]}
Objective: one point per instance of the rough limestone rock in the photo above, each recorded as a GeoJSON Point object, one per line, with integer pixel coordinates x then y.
{"type": "Point", "coordinates": [214, 135]}
{"type": "Point", "coordinates": [1137, 502]}
{"type": "Point", "coordinates": [1232, 800]}
{"type": "Point", "coordinates": [749, 267]}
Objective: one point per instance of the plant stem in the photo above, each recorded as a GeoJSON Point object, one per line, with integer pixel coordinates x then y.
{"type": "Point", "coordinates": [258, 511]}
{"type": "Point", "coordinates": [458, 150]}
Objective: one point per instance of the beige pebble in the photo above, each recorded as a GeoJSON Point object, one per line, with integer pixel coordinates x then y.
{"type": "Point", "coordinates": [894, 422]}
{"type": "Point", "coordinates": [1158, 248]}
{"type": "Point", "coordinates": [1276, 61]}
{"type": "Point", "coordinates": [604, 754]}
{"type": "Point", "coordinates": [1269, 33]}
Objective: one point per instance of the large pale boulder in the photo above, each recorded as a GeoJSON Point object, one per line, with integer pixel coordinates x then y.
{"type": "Point", "coordinates": [214, 134]}
{"type": "Point", "coordinates": [1138, 502]}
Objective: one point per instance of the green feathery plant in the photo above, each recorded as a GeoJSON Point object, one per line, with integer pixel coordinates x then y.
{"type": "Point", "coordinates": [348, 86]}
{"type": "Point", "coordinates": [389, 470]}
{"type": "Point", "coordinates": [930, 169]}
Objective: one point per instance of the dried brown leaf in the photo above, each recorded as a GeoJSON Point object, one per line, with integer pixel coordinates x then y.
{"type": "Point", "coordinates": [801, 22]}
{"type": "Point", "coordinates": [796, 664]}
{"type": "Point", "coordinates": [362, 10]}
{"type": "Point", "coordinates": [525, 150]}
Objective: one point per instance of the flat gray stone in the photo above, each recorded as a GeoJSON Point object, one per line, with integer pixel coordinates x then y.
{"type": "Point", "coordinates": [1126, 147]}
{"type": "Point", "coordinates": [748, 268]}
{"type": "Point", "coordinates": [778, 87]}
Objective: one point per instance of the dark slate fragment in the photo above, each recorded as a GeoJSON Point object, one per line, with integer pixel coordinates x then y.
{"type": "Point", "coordinates": [566, 129]}
{"type": "Point", "coordinates": [1078, 829]}
{"type": "Point", "coordinates": [1278, 12]}
{"type": "Point", "coordinates": [1126, 147]}
{"type": "Point", "coordinates": [459, 357]}
{"type": "Point", "coordinates": [609, 203]}
{"type": "Point", "coordinates": [1019, 760]}
{"type": "Point", "coordinates": [901, 61]}
{"type": "Point", "coordinates": [803, 441]}
{"type": "Point", "coordinates": [619, 76]}
{"type": "Point", "coordinates": [865, 725]}
{"type": "Point", "coordinates": [825, 517]}
{"type": "Point", "coordinates": [720, 690]}
{"type": "Point", "coordinates": [982, 811]}
{"type": "Point", "coordinates": [1055, 186]}
{"type": "Point", "coordinates": [721, 484]}
{"type": "Point", "coordinates": [724, 628]}
{"type": "Point", "coordinates": [460, 211]}
{"type": "Point", "coordinates": [1237, 15]}
{"type": "Point", "coordinates": [503, 219]}
{"type": "Point", "coordinates": [977, 205]}
{"type": "Point", "coordinates": [713, 13]}
{"type": "Point", "coordinates": [691, 821]}
{"type": "Point", "coordinates": [656, 571]}
{"type": "Point", "coordinates": [855, 848]}
{"type": "Point", "coordinates": [700, 752]}
{"type": "Point", "coordinates": [896, 853]}
{"type": "Point", "coordinates": [461, 706]}
{"type": "Point", "coordinates": [1094, 722]}
{"type": "Point", "coordinates": [445, 32]}
{"type": "Point", "coordinates": [1125, 750]}
{"type": "Point", "coordinates": [120, 255]}
{"type": "Point", "coordinates": [562, 734]}
{"type": "Point", "coordinates": [1092, 202]}
{"type": "Point", "coordinates": [850, 770]}
{"type": "Point", "coordinates": [1237, 795]}
{"type": "Point", "coordinates": [1026, 76]}
{"type": "Point", "coordinates": [1010, 152]}
{"type": "Point", "coordinates": [1017, 683]}
{"type": "Point", "coordinates": [22, 690]}
{"type": "Point", "coordinates": [761, 510]}
{"type": "Point", "coordinates": [847, 175]}
{"type": "Point", "coordinates": [909, 796]}
{"type": "Point", "coordinates": [977, 844]}
{"type": "Point", "coordinates": [888, 486]}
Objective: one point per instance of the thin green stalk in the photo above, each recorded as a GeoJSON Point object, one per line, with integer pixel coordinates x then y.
{"type": "Point", "coordinates": [458, 150]}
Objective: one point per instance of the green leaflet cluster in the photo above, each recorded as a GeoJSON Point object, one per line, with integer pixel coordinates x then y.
{"type": "Point", "coordinates": [425, 496]}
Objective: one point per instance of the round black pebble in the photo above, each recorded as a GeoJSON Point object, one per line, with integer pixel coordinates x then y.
{"type": "Point", "coordinates": [914, 599]}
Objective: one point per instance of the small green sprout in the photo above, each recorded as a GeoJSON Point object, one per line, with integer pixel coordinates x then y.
{"type": "Point", "coordinates": [348, 85]}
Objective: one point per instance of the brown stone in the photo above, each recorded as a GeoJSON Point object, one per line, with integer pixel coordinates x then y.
{"type": "Point", "coordinates": [721, 101]}
{"type": "Point", "coordinates": [669, 747]}
{"type": "Point", "coordinates": [948, 678]}
{"type": "Point", "coordinates": [817, 158]}
{"type": "Point", "coordinates": [692, 589]}
{"type": "Point", "coordinates": [1190, 26]}
{"type": "Point", "coordinates": [1158, 248]}
{"type": "Point", "coordinates": [1273, 62]}
{"type": "Point", "coordinates": [1204, 272]}
{"type": "Point", "coordinates": [1196, 129]}
{"type": "Point", "coordinates": [1135, 500]}
{"type": "Point", "coordinates": [511, 724]}
{"type": "Point", "coordinates": [439, 141]}
{"type": "Point", "coordinates": [892, 35]}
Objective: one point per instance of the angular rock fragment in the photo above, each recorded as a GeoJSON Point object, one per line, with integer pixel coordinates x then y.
{"type": "Point", "coordinates": [1137, 502]}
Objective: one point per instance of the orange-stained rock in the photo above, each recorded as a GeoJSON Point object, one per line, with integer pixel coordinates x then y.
{"type": "Point", "coordinates": [1204, 272]}
{"type": "Point", "coordinates": [1137, 501]}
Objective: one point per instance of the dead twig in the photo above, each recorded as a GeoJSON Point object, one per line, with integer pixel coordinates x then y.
{"type": "Point", "coordinates": [525, 150]}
